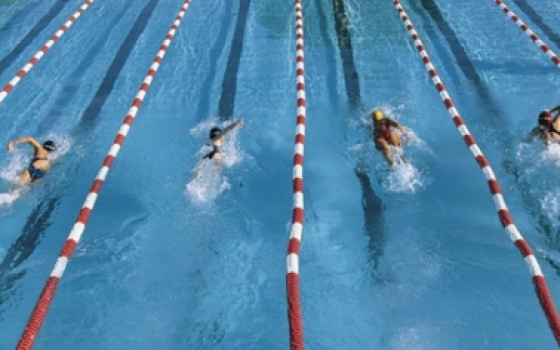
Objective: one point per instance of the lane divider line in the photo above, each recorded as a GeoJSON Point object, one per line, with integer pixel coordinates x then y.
{"type": "Point", "coordinates": [539, 282]}
{"type": "Point", "coordinates": [292, 261]}
{"type": "Point", "coordinates": [43, 50]}
{"type": "Point", "coordinates": [529, 32]}
{"type": "Point", "coordinates": [45, 299]}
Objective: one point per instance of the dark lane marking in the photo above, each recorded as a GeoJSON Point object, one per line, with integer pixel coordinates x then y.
{"type": "Point", "coordinates": [33, 33]}
{"type": "Point", "coordinates": [229, 83]}
{"type": "Point", "coordinates": [461, 56]}
{"type": "Point", "coordinates": [537, 19]}
{"type": "Point", "coordinates": [346, 54]}
{"type": "Point", "coordinates": [330, 79]}
{"type": "Point", "coordinates": [114, 70]}
{"type": "Point", "coordinates": [24, 246]}
{"type": "Point", "coordinates": [71, 85]}
{"type": "Point", "coordinates": [213, 56]}
{"type": "Point", "coordinates": [373, 218]}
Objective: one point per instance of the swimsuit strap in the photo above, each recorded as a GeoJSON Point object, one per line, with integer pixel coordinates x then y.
{"type": "Point", "coordinates": [551, 128]}
{"type": "Point", "coordinates": [210, 155]}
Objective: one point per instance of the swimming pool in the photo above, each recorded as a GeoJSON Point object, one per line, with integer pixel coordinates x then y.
{"type": "Point", "coordinates": [410, 259]}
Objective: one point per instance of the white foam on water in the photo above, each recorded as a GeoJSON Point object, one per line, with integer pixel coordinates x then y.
{"type": "Point", "coordinates": [404, 177]}
{"type": "Point", "coordinates": [8, 198]}
{"type": "Point", "coordinates": [208, 182]}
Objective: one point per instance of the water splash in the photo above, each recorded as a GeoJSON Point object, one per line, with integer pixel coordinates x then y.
{"type": "Point", "coordinates": [404, 177]}
{"type": "Point", "coordinates": [208, 182]}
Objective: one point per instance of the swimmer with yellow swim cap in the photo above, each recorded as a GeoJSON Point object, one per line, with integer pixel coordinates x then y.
{"type": "Point", "coordinates": [384, 134]}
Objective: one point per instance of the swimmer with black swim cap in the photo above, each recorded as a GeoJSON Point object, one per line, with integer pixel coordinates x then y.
{"type": "Point", "coordinates": [40, 163]}
{"type": "Point", "coordinates": [216, 140]}
{"type": "Point", "coordinates": [548, 129]}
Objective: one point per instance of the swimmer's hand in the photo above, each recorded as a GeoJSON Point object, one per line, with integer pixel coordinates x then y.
{"type": "Point", "coordinates": [240, 122]}
{"type": "Point", "coordinates": [10, 146]}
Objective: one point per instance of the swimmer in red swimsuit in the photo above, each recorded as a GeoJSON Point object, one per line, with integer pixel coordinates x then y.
{"type": "Point", "coordinates": [384, 135]}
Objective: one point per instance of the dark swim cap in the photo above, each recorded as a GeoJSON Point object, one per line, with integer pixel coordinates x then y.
{"type": "Point", "coordinates": [49, 146]}
{"type": "Point", "coordinates": [215, 132]}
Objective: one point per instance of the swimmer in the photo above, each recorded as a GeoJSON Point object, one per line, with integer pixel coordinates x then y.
{"type": "Point", "coordinates": [548, 129]}
{"type": "Point", "coordinates": [216, 140]}
{"type": "Point", "coordinates": [385, 136]}
{"type": "Point", "coordinates": [39, 165]}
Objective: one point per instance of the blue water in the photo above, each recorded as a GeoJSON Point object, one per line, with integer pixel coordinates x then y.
{"type": "Point", "coordinates": [415, 258]}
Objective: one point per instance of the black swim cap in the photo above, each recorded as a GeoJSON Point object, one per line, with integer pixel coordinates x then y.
{"type": "Point", "coordinates": [215, 132]}
{"type": "Point", "coordinates": [49, 146]}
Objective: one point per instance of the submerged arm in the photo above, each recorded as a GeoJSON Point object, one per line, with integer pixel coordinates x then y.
{"type": "Point", "coordinates": [557, 111]}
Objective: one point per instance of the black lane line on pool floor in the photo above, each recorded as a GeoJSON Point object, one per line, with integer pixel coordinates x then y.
{"type": "Point", "coordinates": [350, 72]}
{"type": "Point", "coordinates": [31, 35]}
{"type": "Point", "coordinates": [108, 83]}
{"type": "Point", "coordinates": [229, 82]}
{"type": "Point", "coordinates": [539, 22]}
{"type": "Point", "coordinates": [24, 246]}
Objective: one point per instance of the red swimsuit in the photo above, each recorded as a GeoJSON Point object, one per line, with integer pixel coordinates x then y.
{"type": "Point", "coordinates": [382, 129]}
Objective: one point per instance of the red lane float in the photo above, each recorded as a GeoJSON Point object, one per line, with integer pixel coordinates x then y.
{"type": "Point", "coordinates": [22, 72]}
{"type": "Point", "coordinates": [292, 278]}
{"type": "Point", "coordinates": [40, 311]}
{"type": "Point", "coordinates": [529, 32]}
{"type": "Point", "coordinates": [539, 282]}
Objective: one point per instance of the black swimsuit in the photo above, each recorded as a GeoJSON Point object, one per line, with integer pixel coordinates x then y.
{"type": "Point", "coordinates": [212, 153]}
{"type": "Point", "coordinates": [34, 172]}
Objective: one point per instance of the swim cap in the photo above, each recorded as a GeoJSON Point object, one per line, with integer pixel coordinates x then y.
{"type": "Point", "coordinates": [215, 132]}
{"type": "Point", "coordinates": [49, 146]}
{"type": "Point", "coordinates": [377, 115]}
{"type": "Point", "coordinates": [545, 117]}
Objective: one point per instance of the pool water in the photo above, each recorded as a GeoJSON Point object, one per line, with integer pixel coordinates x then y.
{"type": "Point", "coordinates": [182, 254]}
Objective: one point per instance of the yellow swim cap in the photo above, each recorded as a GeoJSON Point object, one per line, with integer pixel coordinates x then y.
{"type": "Point", "coordinates": [377, 115]}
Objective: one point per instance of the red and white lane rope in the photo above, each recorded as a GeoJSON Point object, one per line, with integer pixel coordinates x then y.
{"type": "Point", "coordinates": [538, 279]}
{"type": "Point", "coordinates": [40, 311]}
{"type": "Point", "coordinates": [22, 72]}
{"type": "Point", "coordinates": [529, 32]}
{"type": "Point", "coordinates": [292, 278]}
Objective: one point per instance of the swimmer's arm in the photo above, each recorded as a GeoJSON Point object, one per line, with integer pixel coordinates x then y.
{"type": "Point", "coordinates": [532, 134]}
{"type": "Point", "coordinates": [401, 129]}
{"type": "Point", "coordinates": [25, 139]}
{"type": "Point", "coordinates": [232, 126]}
{"type": "Point", "coordinates": [557, 111]}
